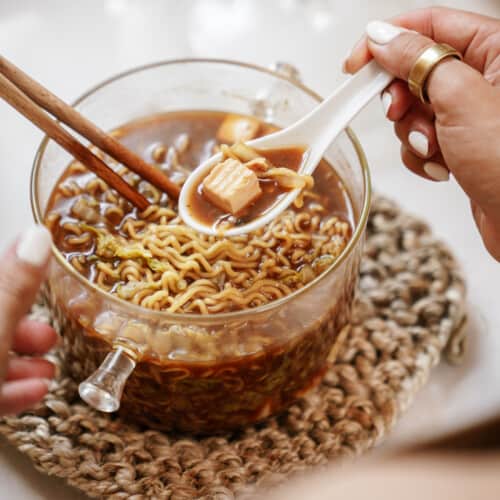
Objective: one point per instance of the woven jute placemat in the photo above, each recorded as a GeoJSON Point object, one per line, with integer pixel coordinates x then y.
{"type": "Point", "coordinates": [409, 311]}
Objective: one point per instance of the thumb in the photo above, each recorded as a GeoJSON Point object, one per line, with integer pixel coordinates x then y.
{"type": "Point", "coordinates": [22, 271]}
{"type": "Point", "coordinates": [397, 49]}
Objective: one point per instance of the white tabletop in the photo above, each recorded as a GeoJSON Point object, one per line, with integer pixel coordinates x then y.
{"type": "Point", "coordinates": [70, 46]}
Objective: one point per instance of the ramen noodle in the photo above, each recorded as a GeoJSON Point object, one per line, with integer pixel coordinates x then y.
{"type": "Point", "coordinates": [153, 260]}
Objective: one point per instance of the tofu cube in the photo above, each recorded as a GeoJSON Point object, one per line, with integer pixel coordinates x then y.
{"type": "Point", "coordinates": [231, 186]}
{"type": "Point", "coordinates": [237, 128]}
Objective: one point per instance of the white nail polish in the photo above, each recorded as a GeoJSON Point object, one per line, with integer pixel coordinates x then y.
{"type": "Point", "coordinates": [419, 142]}
{"type": "Point", "coordinates": [34, 245]}
{"type": "Point", "coordinates": [436, 171]}
{"type": "Point", "coordinates": [386, 102]}
{"type": "Point", "coordinates": [381, 32]}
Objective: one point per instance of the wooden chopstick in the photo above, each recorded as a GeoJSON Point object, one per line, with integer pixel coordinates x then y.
{"type": "Point", "coordinates": [12, 95]}
{"type": "Point", "coordinates": [68, 115]}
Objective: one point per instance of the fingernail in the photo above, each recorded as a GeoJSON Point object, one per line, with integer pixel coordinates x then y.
{"type": "Point", "coordinates": [34, 245]}
{"type": "Point", "coordinates": [436, 171]}
{"type": "Point", "coordinates": [386, 102]}
{"type": "Point", "coordinates": [381, 32]}
{"type": "Point", "coordinates": [419, 142]}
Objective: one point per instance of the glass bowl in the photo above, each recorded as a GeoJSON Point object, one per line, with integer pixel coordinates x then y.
{"type": "Point", "coordinates": [190, 372]}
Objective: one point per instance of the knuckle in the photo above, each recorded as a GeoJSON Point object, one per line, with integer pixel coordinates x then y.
{"type": "Point", "coordinates": [454, 89]}
{"type": "Point", "coordinates": [412, 46]}
{"type": "Point", "coordinates": [436, 12]}
{"type": "Point", "coordinates": [450, 84]}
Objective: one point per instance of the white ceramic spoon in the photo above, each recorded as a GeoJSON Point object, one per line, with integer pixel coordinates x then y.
{"type": "Point", "coordinates": [316, 131]}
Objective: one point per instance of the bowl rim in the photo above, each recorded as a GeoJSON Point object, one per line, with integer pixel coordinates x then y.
{"type": "Point", "coordinates": [184, 317]}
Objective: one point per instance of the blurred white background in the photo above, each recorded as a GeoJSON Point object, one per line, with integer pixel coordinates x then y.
{"type": "Point", "coordinates": [70, 46]}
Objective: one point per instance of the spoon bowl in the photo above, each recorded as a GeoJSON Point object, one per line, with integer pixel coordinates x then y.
{"type": "Point", "coordinates": [197, 176]}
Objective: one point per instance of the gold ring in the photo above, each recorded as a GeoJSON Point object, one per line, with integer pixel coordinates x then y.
{"type": "Point", "coordinates": [425, 64]}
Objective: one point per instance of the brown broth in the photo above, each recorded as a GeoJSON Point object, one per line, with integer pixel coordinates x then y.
{"type": "Point", "coordinates": [188, 378]}
{"type": "Point", "coordinates": [211, 215]}
{"type": "Point", "coordinates": [142, 136]}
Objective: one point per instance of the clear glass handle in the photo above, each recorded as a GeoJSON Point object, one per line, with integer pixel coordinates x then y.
{"type": "Point", "coordinates": [104, 388]}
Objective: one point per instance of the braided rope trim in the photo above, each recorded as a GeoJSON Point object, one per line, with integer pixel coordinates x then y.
{"type": "Point", "coordinates": [409, 308]}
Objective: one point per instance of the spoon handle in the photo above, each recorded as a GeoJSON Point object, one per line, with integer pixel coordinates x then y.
{"type": "Point", "coordinates": [333, 115]}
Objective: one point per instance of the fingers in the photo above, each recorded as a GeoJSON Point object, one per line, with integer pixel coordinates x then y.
{"type": "Point", "coordinates": [395, 48]}
{"type": "Point", "coordinates": [450, 81]}
{"type": "Point", "coordinates": [457, 28]}
{"type": "Point", "coordinates": [19, 395]}
{"type": "Point", "coordinates": [21, 273]}
{"type": "Point", "coordinates": [33, 337]}
{"type": "Point", "coordinates": [21, 368]}
{"type": "Point", "coordinates": [417, 132]}
{"type": "Point", "coordinates": [415, 129]}
{"type": "Point", "coordinates": [433, 169]}
{"type": "Point", "coordinates": [463, 30]}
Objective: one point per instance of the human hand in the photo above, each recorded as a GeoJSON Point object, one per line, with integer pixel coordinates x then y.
{"type": "Point", "coordinates": [23, 380]}
{"type": "Point", "coordinates": [459, 132]}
